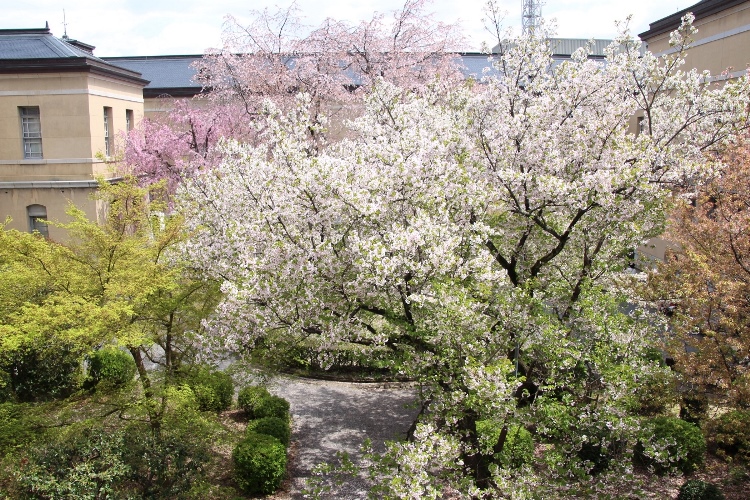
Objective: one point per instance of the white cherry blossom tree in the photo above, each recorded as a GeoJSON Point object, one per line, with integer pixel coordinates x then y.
{"type": "Point", "coordinates": [477, 231]}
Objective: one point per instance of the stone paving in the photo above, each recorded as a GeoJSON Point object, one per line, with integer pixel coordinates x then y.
{"type": "Point", "coordinates": [337, 416]}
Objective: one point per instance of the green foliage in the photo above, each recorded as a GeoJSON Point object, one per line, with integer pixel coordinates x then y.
{"type": "Point", "coordinates": [259, 463]}
{"type": "Point", "coordinates": [249, 397]}
{"type": "Point", "coordinates": [600, 449]}
{"type": "Point", "coordinates": [43, 370]}
{"type": "Point", "coordinates": [730, 435]}
{"type": "Point", "coordinates": [6, 387]}
{"type": "Point", "coordinates": [272, 426]}
{"type": "Point", "coordinates": [213, 389]}
{"type": "Point", "coordinates": [110, 365]}
{"type": "Point", "coordinates": [668, 442]}
{"type": "Point", "coordinates": [693, 409]}
{"type": "Point", "coordinates": [272, 406]}
{"type": "Point", "coordinates": [656, 394]}
{"type": "Point", "coordinates": [518, 449]}
{"type": "Point", "coordinates": [81, 462]}
{"type": "Point", "coordinates": [696, 489]}
{"type": "Point", "coordinates": [14, 426]}
{"type": "Point", "coordinates": [165, 463]}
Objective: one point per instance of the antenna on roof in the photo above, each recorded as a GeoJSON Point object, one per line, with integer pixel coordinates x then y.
{"type": "Point", "coordinates": [532, 15]}
{"type": "Point", "coordinates": [65, 27]}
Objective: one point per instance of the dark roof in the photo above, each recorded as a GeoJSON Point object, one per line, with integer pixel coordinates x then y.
{"type": "Point", "coordinates": [473, 65]}
{"type": "Point", "coordinates": [170, 75]}
{"type": "Point", "coordinates": [700, 10]}
{"type": "Point", "coordinates": [173, 75]}
{"type": "Point", "coordinates": [37, 50]}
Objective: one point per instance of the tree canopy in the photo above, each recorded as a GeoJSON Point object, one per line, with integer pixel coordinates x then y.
{"type": "Point", "coordinates": [479, 231]}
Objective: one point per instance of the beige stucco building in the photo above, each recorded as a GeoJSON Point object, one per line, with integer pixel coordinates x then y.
{"type": "Point", "coordinates": [722, 44]}
{"type": "Point", "coordinates": [62, 111]}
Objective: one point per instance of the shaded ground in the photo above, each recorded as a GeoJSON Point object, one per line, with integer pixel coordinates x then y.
{"type": "Point", "coordinates": [329, 417]}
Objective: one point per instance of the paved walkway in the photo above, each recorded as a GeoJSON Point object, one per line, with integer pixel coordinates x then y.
{"type": "Point", "coordinates": [338, 416]}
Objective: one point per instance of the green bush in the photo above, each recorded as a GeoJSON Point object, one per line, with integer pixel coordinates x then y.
{"type": "Point", "coordinates": [668, 442]}
{"type": "Point", "coordinates": [272, 406]}
{"type": "Point", "coordinates": [272, 426]}
{"type": "Point", "coordinates": [518, 449]}
{"type": "Point", "coordinates": [699, 490]}
{"type": "Point", "coordinates": [730, 435]}
{"type": "Point", "coordinates": [111, 366]}
{"type": "Point", "coordinates": [6, 387]}
{"type": "Point", "coordinates": [43, 371]}
{"type": "Point", "coordinates": [81, 462]}
{"type": "Point", "coordinates": [166, 464]}
{"type": "Point", "coordinates": [259, 463]}
{"type": "Point", "coordinates": [15, 429]}
{"type": "Point", "coordinates": [213, 389]}
{"type": "Point", "coordinates": [249, 396]}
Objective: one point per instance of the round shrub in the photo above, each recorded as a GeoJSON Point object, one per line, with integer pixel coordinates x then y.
{"type": "Point", "coordinates": [669, 442]}
{"type": "Point", "coordinates": [259, 463]}
{"type": "Point", "coordinates": [272, 406]}
{"type": "Point", "coordinates": [110, 365]}
{"type": "Point", "coordinates": [730, 434]}
{"type": "Point", "coordinates": [249, 396]}
{"type": "Point", "coordinates": [272, 426]}
{"type": "Point", "coordinates": [213, 389]}
{"type": "Point", "coordinates": [699, 490]}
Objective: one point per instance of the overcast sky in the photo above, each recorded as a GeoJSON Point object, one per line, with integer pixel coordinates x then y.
{"type": "Point", "coordinates": [162, 27]}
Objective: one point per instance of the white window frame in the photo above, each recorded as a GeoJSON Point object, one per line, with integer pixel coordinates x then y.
{"type": "Point", "coordinates": [31, 132]}
{"type": "Point", "coordinates": [107, 131]}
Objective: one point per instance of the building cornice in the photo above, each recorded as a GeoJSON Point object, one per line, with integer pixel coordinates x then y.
{"type": "Point", "coordinates": [70, 64]}
{"type": "Point", "coordinates": [699, 10]}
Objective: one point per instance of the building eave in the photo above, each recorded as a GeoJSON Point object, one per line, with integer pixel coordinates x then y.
{"type": "Point", "coordinates": [70, 64]}
{"type": "Point", "coordinates": [699, 10]}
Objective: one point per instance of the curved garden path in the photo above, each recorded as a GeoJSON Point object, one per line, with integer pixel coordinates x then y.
{"type": "Point", "coordinates": [337, 416]}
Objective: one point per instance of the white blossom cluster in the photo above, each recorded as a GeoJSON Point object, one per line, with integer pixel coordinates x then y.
{"type": "Point", "coordinates": [463, 223]}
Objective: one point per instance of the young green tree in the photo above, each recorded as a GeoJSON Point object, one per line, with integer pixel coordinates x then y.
{"type": "Point", "coordinates": [113, 283]}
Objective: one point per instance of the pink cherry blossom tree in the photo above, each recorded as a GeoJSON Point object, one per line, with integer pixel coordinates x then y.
{"type": "Point", "coordinates": [274, 58]}
{"type": "Point", "coordinates": [479, 233]}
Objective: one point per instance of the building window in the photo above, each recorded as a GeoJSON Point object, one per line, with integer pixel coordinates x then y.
{"type": "Point", "coordinates": [128, 120]}
{"type": "Point", "coordinates": [108, 131]}
{"type": "Point", "coordinates": [641, 125]}
{"type": "Point", "coordinates": [37, 215]}
{"type": "Point", "coordinates": [31, 127]}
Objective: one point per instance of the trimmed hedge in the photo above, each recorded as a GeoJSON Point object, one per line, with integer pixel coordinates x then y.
{"type": "Point", "coordinates": [249, 396]}
{"type": "Point", "coordinates": [259, 463]}
{"type": "Point", "coordinates": [110, 365]}
{"type": "Point", "coordinates": [668, 442]}
{"type": "Point", "coordinates": [272, 426]}
{"type": "Point", "coordinates": [272, 406]}
{"type": "Point", "coordinates": [699, 490]}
